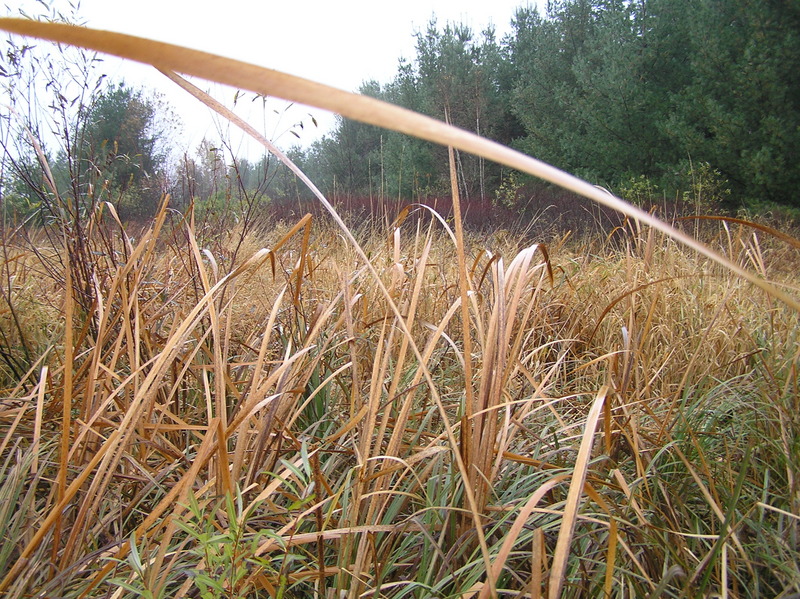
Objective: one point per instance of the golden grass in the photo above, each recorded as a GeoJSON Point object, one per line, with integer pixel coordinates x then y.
{"type": "Point", "coordinates": [340, 419]}
{"type": "Point", "coordinates": [332, 440]}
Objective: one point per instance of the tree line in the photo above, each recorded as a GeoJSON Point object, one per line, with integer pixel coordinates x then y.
{"type": "Point", "coordinates": [616, 91]}
{"type": "Point", "coordinates": [629, 94]}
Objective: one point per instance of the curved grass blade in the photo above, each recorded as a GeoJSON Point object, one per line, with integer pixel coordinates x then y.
{"type": "Point", "coordinates": [567, 529]}
{"type": "Point", "coordinates": [269, 82]}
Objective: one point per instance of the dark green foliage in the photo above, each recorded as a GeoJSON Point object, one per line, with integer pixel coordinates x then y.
{"type": "Point", "coordinates": [613, 88]}
{"type": "Point", "coordinates": [608, 89]}
{"type": "Point", "coordinates": [455, 76]}
{"type": "Point", "coordinates": [583, 106]}
{"type": "Point", "coordinates": [124, 130]}
{"type": "Point", "coordinates": [122, 146]}
{"type": "Point", "coordinates": [740, 110]}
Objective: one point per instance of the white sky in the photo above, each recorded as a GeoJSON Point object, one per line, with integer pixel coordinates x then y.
{"type": "Point", "coordinates": [338, 43]}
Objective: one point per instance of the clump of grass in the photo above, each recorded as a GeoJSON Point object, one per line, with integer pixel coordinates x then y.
{"type": "Point", "coordinates": [404, 412]}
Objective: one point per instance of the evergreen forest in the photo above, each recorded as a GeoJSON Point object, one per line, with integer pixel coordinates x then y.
{"type": "Point", "coordinates": [611, 90]}
{"type": "Point", "coordinates": [658, 101]}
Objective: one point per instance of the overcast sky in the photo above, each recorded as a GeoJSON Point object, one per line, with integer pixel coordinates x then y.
{"type": "Point", "coordinates": [338, 43]}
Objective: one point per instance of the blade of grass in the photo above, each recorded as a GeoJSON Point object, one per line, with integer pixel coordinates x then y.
{"type": "Point", "coordinates": [66, 413]}
{"type": "Point", "coordinates": [569, 519]}
{"type": "Point", "coordinates": [269, 82]}
{"type": "Point", "coordinates": [516, 528]}
{"type": "Point", "coordinates": [611, 557]}
{"type": "Point", "coordinates": [538, 563]}
{"type": "Point", "coordinates": [467, 422]}
{"type": "Point", "coordinates": [37, 423]}
{"type": "Point", "coordinates": [221, 408]}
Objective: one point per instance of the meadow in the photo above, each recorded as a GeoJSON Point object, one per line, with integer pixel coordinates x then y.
{"type": "Point", "coordinates": [399, 407]}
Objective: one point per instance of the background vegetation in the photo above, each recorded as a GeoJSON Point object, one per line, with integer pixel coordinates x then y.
{"type": "Point", "coordinates": [612, 90]}
{"type": "Point", "coordinates": [666, 95]}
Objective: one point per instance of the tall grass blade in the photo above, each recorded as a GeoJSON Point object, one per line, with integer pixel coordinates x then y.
{"type": "Point", "coordinates": [572, 505]}
{"type": "Point", "coordinates": [268, 82]}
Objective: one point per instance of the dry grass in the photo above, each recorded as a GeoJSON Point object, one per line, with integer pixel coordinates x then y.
{"type": "Point", "coordinates": [409, 413]}
{"type": "Point", "coordinates": [636, 426]}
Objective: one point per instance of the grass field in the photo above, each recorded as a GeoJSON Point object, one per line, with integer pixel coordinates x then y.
{"type": "Point", "coordinates": [270, 427]}
{"type": "Point", "coordinates": [398, 408]}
